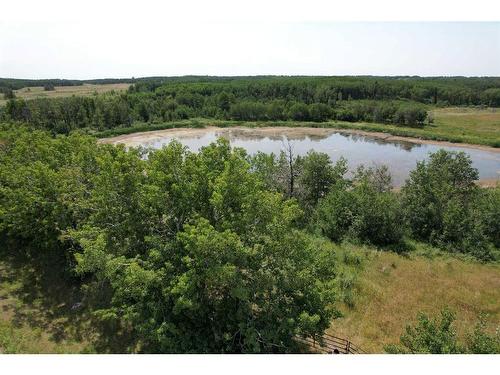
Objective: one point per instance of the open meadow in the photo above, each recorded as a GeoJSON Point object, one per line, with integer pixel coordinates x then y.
{"type": "Point", "coordinates": [86, 89]}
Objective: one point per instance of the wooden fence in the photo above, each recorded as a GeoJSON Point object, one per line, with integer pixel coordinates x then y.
{"type": "Point", "coordinates": [330, 344]}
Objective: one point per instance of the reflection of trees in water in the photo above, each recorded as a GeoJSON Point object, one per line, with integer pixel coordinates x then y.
{"type": "Point", "coordinates": [280, 135]}
{"type": "Point", "coordinates": [258, 135]}
{"type": "Point", "coordinates": [404, 145]}
{"type": "Point", "coordinates": [163, 141]}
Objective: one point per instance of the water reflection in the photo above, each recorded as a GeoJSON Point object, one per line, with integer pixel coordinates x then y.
{"type": "Point", "coordinates": [400, 156]}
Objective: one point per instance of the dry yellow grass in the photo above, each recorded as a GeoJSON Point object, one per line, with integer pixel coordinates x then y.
{"type": "Point", "coordinates": [63, 91]}
{"type": "Point", "coordinates": [392, 289]}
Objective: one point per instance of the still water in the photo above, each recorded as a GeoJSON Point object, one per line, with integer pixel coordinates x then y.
{"type": "Point", "coordinates": [399, 156]}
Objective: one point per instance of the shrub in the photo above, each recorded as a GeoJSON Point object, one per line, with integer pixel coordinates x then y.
{"type": "Point", "coordinates": [435, 336]}
{"type": "Point", "coordinates": [438, 336]}
{"type": "Point", "coordinates": [368, 212]}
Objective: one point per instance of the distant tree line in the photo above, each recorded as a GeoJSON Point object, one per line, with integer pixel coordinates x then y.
{"type": "Point", "coordinates": [431, 90]}
{"type": "Point", "coordinates": [396, 100]}
{"type": "Point", "coordinates": [107, 111]}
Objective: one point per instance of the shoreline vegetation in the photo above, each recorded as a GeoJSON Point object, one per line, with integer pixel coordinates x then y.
{"type": "Point", "coordinates": [122, 134]}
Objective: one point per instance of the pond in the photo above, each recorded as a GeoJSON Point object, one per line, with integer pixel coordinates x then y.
{"type": "Point", "coordinates": [399, 155]}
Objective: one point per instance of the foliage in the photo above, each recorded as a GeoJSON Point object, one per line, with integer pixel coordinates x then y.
{"type": "Point", "coordinates": [48, 87]}
{"type": "Point", "coordinates": [8, 93]}
{"type": "Point", "coordinates": [188, 252]}
{"type": "Point", "coordinates": [489, 205]}
{"type": "Point", "coordinates": [401, 101]}
{"type": "Point", "coordinates": [442, 204]}
{"type": "Point", "coordinates": [438, 336]}
{"type": "Point", "coordinates": [317, 176]}
{"type": "Point", "coordinates": [429, 336]}
{"type": "Point", "coordinates": [368, 211]}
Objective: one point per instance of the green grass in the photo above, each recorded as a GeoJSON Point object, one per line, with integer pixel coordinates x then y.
{"type": "Point", "coordinates": [474, 126]}
{"type": "Point", "coordinates": [36, 314]}
{"type": "Point", "coordinates": [145, 127]}
{"type": "Point", "coordinates": [479, 126]}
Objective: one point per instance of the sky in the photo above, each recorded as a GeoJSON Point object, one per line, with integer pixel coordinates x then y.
{"type": "Point", "coordinates": [87, 39]}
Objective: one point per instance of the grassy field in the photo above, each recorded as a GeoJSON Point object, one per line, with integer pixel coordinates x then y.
{"type": "Point", "coordinates": [476, 124]}
{"type": "Point", "coordinates": [391, 289]}
{"type": "Point", "coordinates": [62, 91]}
{"type": "Point", "coordinates": [467, 125]}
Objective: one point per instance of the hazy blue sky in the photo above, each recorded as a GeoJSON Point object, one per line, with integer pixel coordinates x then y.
{"type": "Point", "coordinates": [69, 47]}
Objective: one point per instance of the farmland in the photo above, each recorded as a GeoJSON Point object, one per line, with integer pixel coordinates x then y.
{"type": "Point", "coordinates": [86, 89]}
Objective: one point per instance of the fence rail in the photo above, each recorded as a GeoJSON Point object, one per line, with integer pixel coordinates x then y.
{"type": "Point", "coordinates": [330, 344]}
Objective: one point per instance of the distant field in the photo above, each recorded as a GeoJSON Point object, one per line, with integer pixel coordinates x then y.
{"type": "Point", "coordinates": [392, 289]}
{"type": "Point", "coordinates": [62, 91]}
{"type": "Point", "coordinates": [462, 125]}
{"type": "Point", "coordinates": [473, 123]}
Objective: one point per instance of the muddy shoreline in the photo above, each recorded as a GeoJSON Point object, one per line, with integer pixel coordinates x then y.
{"type": "Point", "coordinates": [134, 139]}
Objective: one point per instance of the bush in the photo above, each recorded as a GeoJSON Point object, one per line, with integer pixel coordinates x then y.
{"type": "Point", "coordinates": [489, 206]}
{"type": "Point", "coordinates": [369, 212]}
{"type": "Point", "coordinates": [434, 336]}
{"type": "Point", "coordinates": [379, 219]}
{"type": "Point", "coordinates": [335, 214]}
{"type": "Point", "coordinates": [438, 336]}
{"type": "Point", "coordinates": [48, 87]}
{"type": "Point", "coordinates": [8, 93]}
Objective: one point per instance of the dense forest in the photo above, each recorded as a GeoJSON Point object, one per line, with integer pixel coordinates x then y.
{"type": "Point", "coordinates": [217, 251]}
{"type": "Point", "coordinates": [401, 101]}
